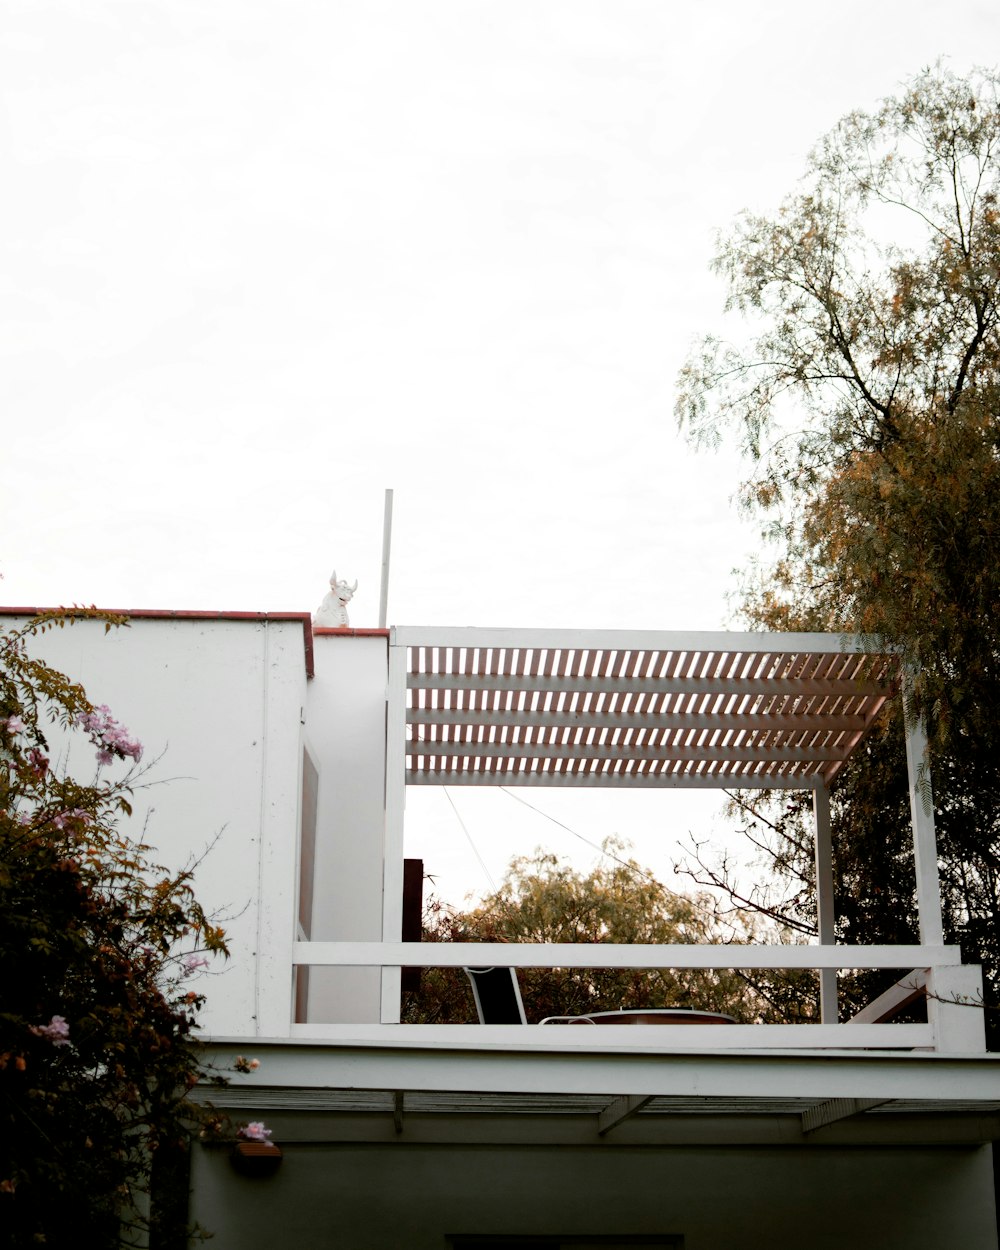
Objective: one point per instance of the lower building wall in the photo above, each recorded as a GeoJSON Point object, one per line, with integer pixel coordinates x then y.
{"type": "Point", "coordinates": [384, 1197]}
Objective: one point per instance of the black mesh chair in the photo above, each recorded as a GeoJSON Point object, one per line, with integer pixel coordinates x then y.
{"type": "Point", "coordinates": [497, 995]}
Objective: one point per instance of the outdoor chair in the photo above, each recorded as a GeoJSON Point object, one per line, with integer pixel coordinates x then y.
{"type": "Point", "coordinates": [498, 1001]}
{"type": "Point", "coordinates": [497, 995]}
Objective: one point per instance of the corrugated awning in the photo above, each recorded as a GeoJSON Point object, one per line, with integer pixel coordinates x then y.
{"type": "Point", "coordinates": [600, 708]}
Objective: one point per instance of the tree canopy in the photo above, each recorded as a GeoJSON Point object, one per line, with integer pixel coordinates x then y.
{"type": "Point", "coordinates": [98, 949]}
{"type": "Point", "coordinates": [866, 393]}
{"type": "Point", "coordinates": [542, 899]}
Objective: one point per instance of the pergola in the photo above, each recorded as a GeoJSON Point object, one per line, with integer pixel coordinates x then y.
{"type": "Point", "coordinates": [725, 710]}
{"type": "Point", "coordinates": [547, 708]}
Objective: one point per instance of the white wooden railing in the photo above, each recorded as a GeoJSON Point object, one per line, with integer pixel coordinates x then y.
{"type": "Point", "coordinates": [954, 995]}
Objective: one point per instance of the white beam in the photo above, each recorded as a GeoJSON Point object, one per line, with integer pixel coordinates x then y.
{"type": "Point", "coordinates": [897, 997]}
{"type": "Point", "coordinates": [800, 779]}
{"type": "Point", "coordinates": [719, 642]}
{"type": "Point", "coordinates": [620, 1110]}
{"type": "Point", "coordinates": [615, 955]}
{"type": "Point", "coordinates": [347, 1059]}
{"type": "Point", "coordinates": [736, 722]}
{"type": "Point", "coordinates": [602, 1039]}
{"type": "Point", "coordinates": [626, 751]}
{"type": "Point", "coordinates": [845, 688]}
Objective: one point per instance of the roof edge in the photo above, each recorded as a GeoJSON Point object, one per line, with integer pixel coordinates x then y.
{"type": "Point", "coordinates": [183, 614]}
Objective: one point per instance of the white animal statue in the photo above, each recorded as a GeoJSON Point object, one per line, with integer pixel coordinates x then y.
{"type": "Point", "coordinates": [332, 612]}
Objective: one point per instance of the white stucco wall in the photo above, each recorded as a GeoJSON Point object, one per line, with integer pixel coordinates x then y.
{"type": "Point", "coordinates": [345, 734]}
{"type": "Point", "coordinates": [342, 1196]}
{"type": "Point", "coordinates": [217, 704]}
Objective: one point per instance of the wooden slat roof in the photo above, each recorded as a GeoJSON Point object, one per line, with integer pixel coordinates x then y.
{"type": "Point", "coordinates": [631, 709]}
{"type": "Point", "coordinates": [458, 1102]}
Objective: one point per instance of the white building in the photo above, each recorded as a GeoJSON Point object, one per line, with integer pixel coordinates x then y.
{"type": "Point", "coordinates": [290, 750]}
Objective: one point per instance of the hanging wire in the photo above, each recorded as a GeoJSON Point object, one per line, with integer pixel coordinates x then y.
{"type": "Point", "coordinates": [693, 901]}
{"type": "Point", "coordinates": [496, 896]}
{"type": "Point", "coordinates": [475, 849]}
{"type": "Point", "coordinates": [632, 867]}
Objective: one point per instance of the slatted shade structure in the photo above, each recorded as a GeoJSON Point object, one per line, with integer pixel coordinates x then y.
{"type": "Point", "coordinates": [631, 709]}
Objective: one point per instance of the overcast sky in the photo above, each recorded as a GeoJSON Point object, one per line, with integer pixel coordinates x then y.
{"type": "Point", "coordinates": [261, 259]}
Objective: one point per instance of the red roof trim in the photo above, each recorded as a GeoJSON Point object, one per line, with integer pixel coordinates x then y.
{"type": "Point", "coordinates": [326, 631]}
{"type": "Point", "coordinates": [173, 614]}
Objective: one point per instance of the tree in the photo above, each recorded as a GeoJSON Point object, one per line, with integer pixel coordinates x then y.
{"type": "Point", "coordinates": [98, 945]}
{"type": "Point", "coordinates": [544, 900]}
{"type": "Point", "coordinates": [867, 401]}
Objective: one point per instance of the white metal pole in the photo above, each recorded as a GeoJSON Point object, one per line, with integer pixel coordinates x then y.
{"type": "Point", "coordinates": [383, 602]}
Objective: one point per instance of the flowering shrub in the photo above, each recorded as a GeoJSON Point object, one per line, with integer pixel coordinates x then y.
{"type": "Point", "coordinates": [98, 948]}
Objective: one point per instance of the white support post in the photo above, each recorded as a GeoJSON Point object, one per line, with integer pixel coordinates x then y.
{"type": "Point", "coordinates": [824, 902]}
{"type": "Point", "coordinates": [955, 1009]}
{"type": "Point", "coordinates": [922, 820]}
{"type": "Point", "coordinates": [392, 842]}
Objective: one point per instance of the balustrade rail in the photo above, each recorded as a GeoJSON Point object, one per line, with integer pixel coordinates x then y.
{"type": "Point", "coordinates": [953, 991]}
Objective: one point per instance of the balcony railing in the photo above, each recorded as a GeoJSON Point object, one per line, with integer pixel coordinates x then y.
{"type": "Point", "coordinates": [953, 991]}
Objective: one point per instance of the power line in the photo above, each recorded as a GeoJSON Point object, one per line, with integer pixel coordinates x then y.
{"type": "Point", "coordinates": [475, 849]}
{"type": "Point", "coordinates": [632, 867]}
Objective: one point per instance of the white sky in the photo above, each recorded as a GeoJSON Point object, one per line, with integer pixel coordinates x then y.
{"type": "Point", "coordinates": [261, 259]}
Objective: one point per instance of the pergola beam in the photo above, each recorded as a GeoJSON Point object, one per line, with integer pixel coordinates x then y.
{"type": "Point", "coordinates": [738, 687]}
{"type": "Point", "coordinates": [681, 779]}
{"type": "Point", "coordinates": [626, 751]}
{"type": "Point", "coordinates": [736, 722]}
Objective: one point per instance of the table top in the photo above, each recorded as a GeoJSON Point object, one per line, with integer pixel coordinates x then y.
{"type": "Point", "coordinates": [646, 1015]}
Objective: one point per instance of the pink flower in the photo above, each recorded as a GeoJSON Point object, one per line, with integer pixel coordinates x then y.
{"type": "Point", "coordinates": [242, 1064]}
{"type": "Point", "coordinates": [110, 738]}
{"type": "Point", "coordinates": [14, 725]}
{"type": "Point", "coordinates": [193, 962]}
{"type": "Point", "coordinates": [56, 1031]}
{"type": "Point", "coordinates": [254, 1131]}
{"type": "Point", "coordinates": [62, 819]}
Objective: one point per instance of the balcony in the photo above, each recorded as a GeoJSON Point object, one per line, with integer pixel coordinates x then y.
{"type": "Point", "coordinates": [664, 711]}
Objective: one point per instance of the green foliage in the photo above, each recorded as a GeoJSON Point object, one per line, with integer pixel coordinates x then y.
{"type": "Point", "coordinates": [97, 948]}
{"type": "Point", "coordinates": [544, 900]}
{"type": "Point", "coordinates": [869, 402]}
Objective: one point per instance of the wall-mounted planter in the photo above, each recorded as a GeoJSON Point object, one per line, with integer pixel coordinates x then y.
{"type": "Point", "coordinates": [256, 1158]}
